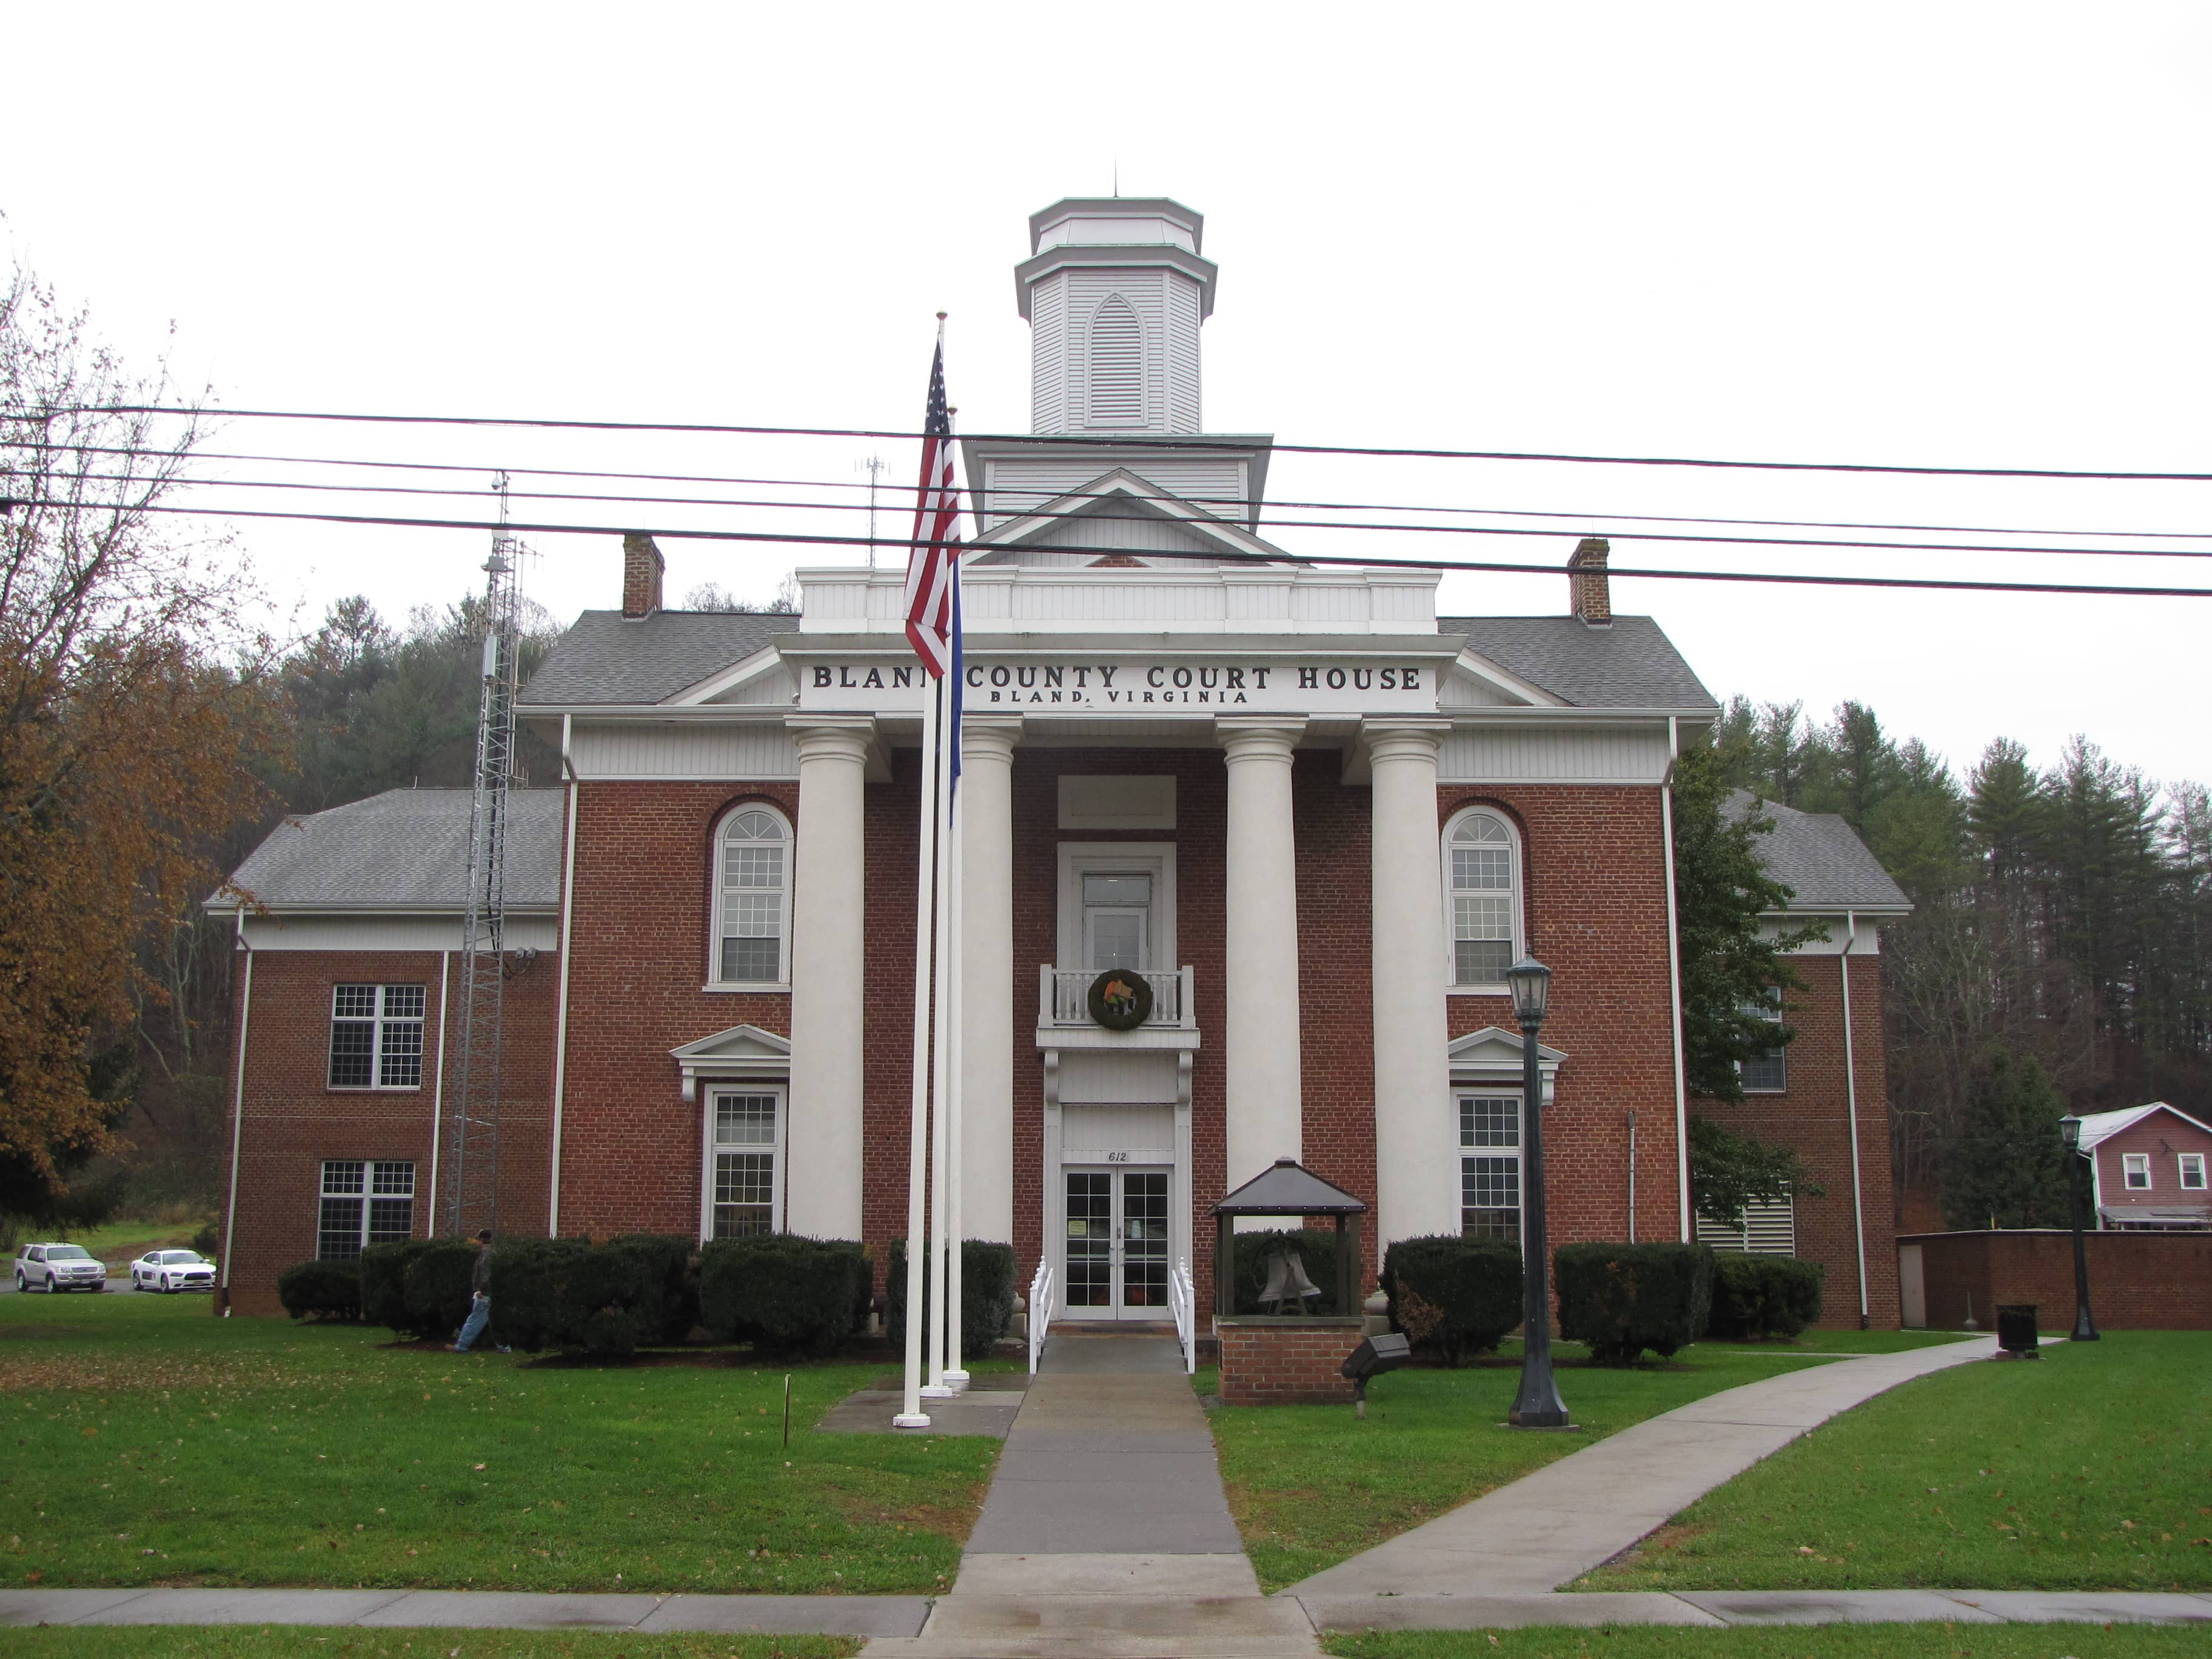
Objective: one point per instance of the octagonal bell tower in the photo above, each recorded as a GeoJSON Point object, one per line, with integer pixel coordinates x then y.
{"type": "Point", "coordinates": [1114, 291]}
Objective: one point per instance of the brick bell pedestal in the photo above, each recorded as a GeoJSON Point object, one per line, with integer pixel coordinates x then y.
{"type": "Point", "coordinates": [1287, 1361]}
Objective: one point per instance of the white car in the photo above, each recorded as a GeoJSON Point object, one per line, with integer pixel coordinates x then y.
{"type": "Point", "coordinates": [172, 1271]}
{"type": "Point", "coordinates": [52, 1267]}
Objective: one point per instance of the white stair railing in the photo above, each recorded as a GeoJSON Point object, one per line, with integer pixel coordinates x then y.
{"type": "Point", "coordinates": [1040, 1311]}
{"type": "Point", "coordinates": [1183, 1302]}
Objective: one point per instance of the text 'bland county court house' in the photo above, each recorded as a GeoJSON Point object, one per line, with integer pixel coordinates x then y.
{"type": "Point", "coordinates": [1319, 819]}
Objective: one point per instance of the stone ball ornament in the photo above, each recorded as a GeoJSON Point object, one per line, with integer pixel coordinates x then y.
{"type": "Point", "coordinates": [1120, 999]}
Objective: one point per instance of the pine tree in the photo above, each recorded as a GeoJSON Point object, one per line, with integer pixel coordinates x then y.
{"type": "Point", "coordinates": [2008, 1166]}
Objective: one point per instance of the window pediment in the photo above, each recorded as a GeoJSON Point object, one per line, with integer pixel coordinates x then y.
{"type": "Point", "coordinates": [741, 1052]}
{"type": "Point", "coordinates": [1491, 1057]}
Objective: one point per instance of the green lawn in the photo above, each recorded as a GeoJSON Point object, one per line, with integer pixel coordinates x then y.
{"type": "Point", "coordinates": [1310, 1486]}
{"type": "Point", "coordinates": [2090, 1468]}
{"type": "Point", "coordinates": [1781, 1641]}
{"type": "Point", "coordinates": [305, 1642]}
{"type": "Point", "coordinates": [156, 1444]}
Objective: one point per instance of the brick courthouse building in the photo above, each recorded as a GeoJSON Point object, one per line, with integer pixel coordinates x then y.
{"type": "Point", "coordinates": [1317, 817]}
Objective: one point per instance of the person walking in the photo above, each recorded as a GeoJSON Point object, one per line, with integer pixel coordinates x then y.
{"type": "Point", "coordinates": [479, 1297]}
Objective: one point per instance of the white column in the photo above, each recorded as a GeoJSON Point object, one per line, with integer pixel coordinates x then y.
{"type": "Point", "coordinates": [822, 1184]}
{"type": "Point", "coordinates": [1416, 1170]}
{"type": "Point", "coordinates": [986, 988]}
{"type": "Point", "coordinates": [1261, 980]}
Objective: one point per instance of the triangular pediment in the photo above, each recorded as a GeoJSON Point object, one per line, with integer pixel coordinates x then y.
{"type": "Point", "coordinates": [739, 1052]}
{"type": "Point", "coordinates": [1119, 518]}
{"type": "Point", "coordinates": [1492, 1055]}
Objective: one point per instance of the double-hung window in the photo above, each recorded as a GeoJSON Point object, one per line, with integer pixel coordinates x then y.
{"type": "Point", "coordinates": [2135, 1171]}
{"type": "Point", "coordinates": [1767, 1073]}
{"type": "Point", "coordinates": [2192, 1171]}
{"type": "Point", "coordinates": [1482, 897]}
{"type": "Point", "coordinates": [376, 1036]}
{"type": "Point", "coordinates": [364, 1201]}
{"type": "Point", "coordinates": [745, 1135]}
{"type": "Point", "coordinates": [1490, 1164]}
{"type": "Point", "coordinates": [752, 902]}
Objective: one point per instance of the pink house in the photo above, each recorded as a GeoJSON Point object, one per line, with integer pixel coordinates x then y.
{"type": "Point", "coordinates": [2149, 1167]}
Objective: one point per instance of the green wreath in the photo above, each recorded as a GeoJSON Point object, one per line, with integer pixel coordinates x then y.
{"type": "Point", "coordinates": [1120, 999]}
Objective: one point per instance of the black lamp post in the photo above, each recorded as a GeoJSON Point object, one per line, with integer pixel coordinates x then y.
{"type": "Point", "coordinates": [1538, 1405]}
{"type": "Point", "coordinates": [2085, 1328]}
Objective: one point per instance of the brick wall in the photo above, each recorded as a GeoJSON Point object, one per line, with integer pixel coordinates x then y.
{"type": "Point", "coordinates": [1812, 1118]}
{"type": "Point", "coordinates": [294, 1121]}
{"type": "Point", "coordinates": [1266, 1364]}
{"type": "Point", "coordinates": [2137, 1281]}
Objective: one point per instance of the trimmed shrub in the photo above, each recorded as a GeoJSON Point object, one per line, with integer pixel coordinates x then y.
{"type": "Point", "coordinates": [987, 1296]}
{"type": "Point", "coordinates": [783, 1291]}
{"type": "Point", "coordinates": [208, 1239]}
{"type": "Point", "coordinates": [1454, 1297]}
{"type": "Point", "coordinates": [1757, 1297]}
{"type": "Point", "coordinates": [384, 1284]}
{"type": "Point", "coordinates": [1316, 1248]}
{"type": "Point", "coordinates": [320, 1290]}
{"type": "Point", "coordinates": [670, 1264]}
{"type": "Point", "coordinates": [1623, 1298]}
{"type": "Point", "coordinates": [571, 1294]}
{"type": "Point", "coordinates": [437, 1281]}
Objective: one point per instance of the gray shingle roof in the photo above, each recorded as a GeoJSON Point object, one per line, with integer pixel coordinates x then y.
{"type": "Point", "coordinates": [1821, 857]}
{"type": "Point", "coordinates": [407, 850]}
{"type": "Point", "coordinates": [607, 657]}
{"type": "Point", "coordinates": [1631, 664]}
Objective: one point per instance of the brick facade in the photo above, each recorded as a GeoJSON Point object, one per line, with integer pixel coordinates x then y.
{"type": "Point", "coordinates": [1265, 1362]}
{"type": "Point", "coordinates": [2137, 1281]}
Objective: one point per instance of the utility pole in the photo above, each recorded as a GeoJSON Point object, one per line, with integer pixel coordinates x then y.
{"type": "Point", "coordinates": [473, 1146]}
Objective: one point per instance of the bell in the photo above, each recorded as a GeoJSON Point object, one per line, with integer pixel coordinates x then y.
{"type": "Point", "coordinates": [1286, 1280]}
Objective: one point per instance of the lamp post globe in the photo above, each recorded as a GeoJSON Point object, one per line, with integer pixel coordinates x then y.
{"type": "Point", "coordinates": [1536, 1405]}
{"type": "Point", "coordinates": [2085, 1326]}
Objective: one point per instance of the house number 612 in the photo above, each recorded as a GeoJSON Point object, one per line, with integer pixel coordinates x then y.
{"type": "Point", "coordinates": [1117, 1158]}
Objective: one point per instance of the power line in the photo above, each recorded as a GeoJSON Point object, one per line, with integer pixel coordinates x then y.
{"type": "Point", "coordinates": [793, 538]}
{"type": "Point", "coordinates": [1141, 440]}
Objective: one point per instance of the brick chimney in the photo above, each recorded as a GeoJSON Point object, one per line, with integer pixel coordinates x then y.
{"type": "Point", "coordinates": [1586, 581]}
{"type": "Point", "coordinates": [642, 568]}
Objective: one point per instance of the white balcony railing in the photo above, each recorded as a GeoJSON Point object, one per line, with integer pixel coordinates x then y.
{"type": "Point", "coordinates": [1183, 1302]}
{"type": "Point", "coordinates": [1064, 998]}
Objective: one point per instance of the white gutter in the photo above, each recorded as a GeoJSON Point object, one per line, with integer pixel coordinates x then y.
{"type": "Point", "coordinates": [438, 1086]}
{"type": "Point", "coordinates": [1674, 979]}
{"type": "Point", "coordinates": [560, 1016]}
{"type": "Point", "coordinates": [237, 1114]}
{"type": "Point", "coordinates": [1851, 1095]}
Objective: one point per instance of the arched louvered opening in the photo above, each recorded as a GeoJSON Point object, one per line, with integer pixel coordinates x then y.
{"type": "Point", "coordinates": [1116, 390]}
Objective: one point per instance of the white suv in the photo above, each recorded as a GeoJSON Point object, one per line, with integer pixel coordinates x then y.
{"type": "Point", "coordinates": [59, 1267]}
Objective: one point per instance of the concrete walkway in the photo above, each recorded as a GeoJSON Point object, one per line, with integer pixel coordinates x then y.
{"type": "Point", "coordinates": [1105, 1532]}
{"type": "Point", "coordinates": [1552, 1527]}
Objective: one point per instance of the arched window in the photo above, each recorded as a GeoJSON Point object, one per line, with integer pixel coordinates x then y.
{"type": "Point", "coordinates": [752, 898]}
{"type": "Point", "coordinates": [1117, 365]}
{"type": "Point", "coordinates": [1482, 897]}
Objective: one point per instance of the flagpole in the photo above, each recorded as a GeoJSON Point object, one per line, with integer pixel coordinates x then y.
{"type": "Point", "coordinates": [939, 1128]}
{"type": "Point", "coordinates": [917, 1164]}
{"type": "Point", "coordinates": [956, 1370]}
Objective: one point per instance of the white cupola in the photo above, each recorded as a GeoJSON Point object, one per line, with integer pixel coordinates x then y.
{"type": "Point", "coordinates": [1115, 292]}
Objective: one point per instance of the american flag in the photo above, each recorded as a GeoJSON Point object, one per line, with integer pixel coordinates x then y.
{"type": "Point", "coordinates": [931, 568]}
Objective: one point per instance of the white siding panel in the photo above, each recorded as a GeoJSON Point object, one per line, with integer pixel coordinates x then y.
{"type": "Point", "coordinates": [1330, 603]}
{"type": "Point", "coordinates": [1140, 1077]}
{"type": "Point", "coordinates": [1131, 599]}
{"type": "Point", "coordinates": [1563, 754]}
{"type": "Point", "coordinates": [1015, 487]}
{"type": "Point", "coordinates": [774, 690]}
{"type": "Point", "coordinates": [1117, 1135]}
{"type": "Point", "coordinates": [1181, 354]}
{"type": "Point", "coordinates": [1463, 690]}
{"type": "Point", "coordinates": [372, 933]}
{"type": "Point", "coordinates": [741, 753]}
{"type": "Point", "coordinates": [1048, 355]}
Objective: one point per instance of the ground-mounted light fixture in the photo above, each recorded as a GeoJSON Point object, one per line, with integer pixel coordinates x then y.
{"type": "Point", "coordinates": [1373, 1357]}
{"type": "Point", "coordinates": [1537, 1404]}
{"type": "Point", "coordinates": [2084, 1327]}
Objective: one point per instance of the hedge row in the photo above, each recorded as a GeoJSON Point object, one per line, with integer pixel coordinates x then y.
{"type": "Point", "coordinates": [320, 1290]}
{"type": "Point", "coordinates": [1620, 1299]}
{"type": "Point", "coordinates": [1452, 1297]}
{"type": "Point", "coordinates": [987, 1296]}
{"type": "Point", "coordinates": [1757, 1297]}
{"type": "Point", "coordinates": [783, 1292]}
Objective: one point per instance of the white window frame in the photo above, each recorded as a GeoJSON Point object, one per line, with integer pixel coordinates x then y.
{"type": "Point", "coordinates": [1461, 1093]}
{"type": "Point", "coordinates": [2186, 1165]}
{"type": "Point", "coordinates": [372, 1171]}
{"type": "Point", "coordinates": [782, 981]}
{"type": "Point", "coordinates": [2131, 1165]}
{"type": "Point", "coordinates": [1104, 858]}
{"type": "Point", "coordinates": [1517, 901]}
{"type": "Point", "coordinates": [1771, 1012]}
{"type": "Point", "coordinates": [710, 1093]}
{"type": "Point", "coordinates": [380, 1023]}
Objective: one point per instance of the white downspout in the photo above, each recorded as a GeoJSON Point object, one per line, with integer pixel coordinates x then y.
{"type": "Point", "coordinates": [438, 1083]}
{"type": "Point", "coordinates": [237, 1114]}
{"type": "Point", "coordinates": [1851, 1096]}
{"type": "Point", "coordinates": [1674, 979]}
{"type": "Point", "coordinates": [561, 1015]}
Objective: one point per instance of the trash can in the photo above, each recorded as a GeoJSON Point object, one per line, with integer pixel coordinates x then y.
{"type": "Point", "coordinates": [2016, 1336]}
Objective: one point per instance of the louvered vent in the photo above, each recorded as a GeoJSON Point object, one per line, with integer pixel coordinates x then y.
{"type": "Point", "coordinates": [1117, 365]}
{"type": "Point", "coordinates": [1765, 1230]}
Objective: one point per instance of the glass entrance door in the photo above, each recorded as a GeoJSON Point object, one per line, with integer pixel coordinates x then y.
{"type": "Point", "coordinates": [1117, 1242]}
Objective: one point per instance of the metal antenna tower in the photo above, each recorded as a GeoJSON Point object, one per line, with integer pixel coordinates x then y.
{"type": "Point", "coordinates": [472, 1138]}
{"type": "Point", "coordinates": [873, 466]}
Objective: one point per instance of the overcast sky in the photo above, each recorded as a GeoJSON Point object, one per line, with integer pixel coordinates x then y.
{"type": "Point", "coordinates": [1964, 236]}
